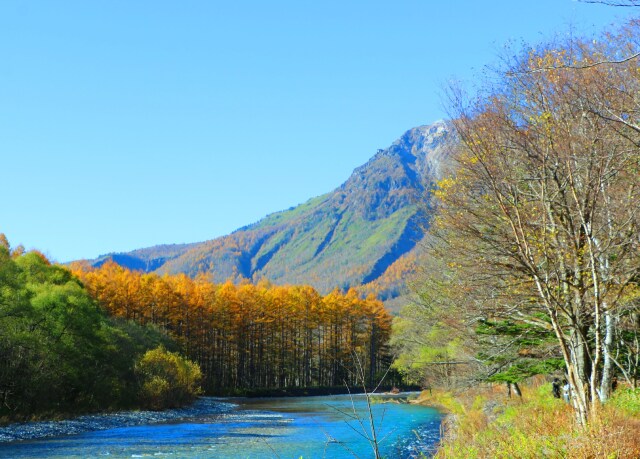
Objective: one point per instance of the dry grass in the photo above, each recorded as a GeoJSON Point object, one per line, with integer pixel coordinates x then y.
{"type": "Point", "coordinates": [488, 425]}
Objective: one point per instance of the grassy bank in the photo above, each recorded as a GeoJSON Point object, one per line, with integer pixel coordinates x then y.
{"type": "Point", "coordinates": [484, 423]}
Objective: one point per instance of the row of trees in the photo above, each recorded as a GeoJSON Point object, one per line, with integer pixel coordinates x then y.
{"type": "Point", "coordinates": [537, 235]}
{"type": "Point", "coordinates": [252, 336]}
{"type": "Point", "coordinates": [59, 351]}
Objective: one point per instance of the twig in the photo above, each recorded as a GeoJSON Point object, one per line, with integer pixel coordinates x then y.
{"type": "Point", "coordinates": [628, 3]}
{"type": "Point", "coordinates": [270, 447]}
{"type": "Point", "coordinates": [575, 67]}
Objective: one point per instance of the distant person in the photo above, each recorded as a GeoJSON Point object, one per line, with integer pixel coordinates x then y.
{"type": "Point", "coordinates": [555, 387]}
{"type": "Point", "coordinates": [566, 391]}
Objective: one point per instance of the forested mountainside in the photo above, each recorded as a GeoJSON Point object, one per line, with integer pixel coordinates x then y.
{"type": "Point", "coordinates": [346, 238]}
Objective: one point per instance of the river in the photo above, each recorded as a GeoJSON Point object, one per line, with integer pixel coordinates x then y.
{"type": "Point", "coordinates": [308, 427]}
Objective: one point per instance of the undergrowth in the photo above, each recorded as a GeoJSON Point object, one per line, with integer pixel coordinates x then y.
{"type": "Point", "coordinates": [483, 423]}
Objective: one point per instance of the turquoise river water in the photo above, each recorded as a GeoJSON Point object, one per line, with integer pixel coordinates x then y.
{"type": "Point", "coordinates": [307, 427]}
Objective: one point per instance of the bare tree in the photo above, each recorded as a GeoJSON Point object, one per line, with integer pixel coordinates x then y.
{"type": "Point", "coordinates": [542, 212]}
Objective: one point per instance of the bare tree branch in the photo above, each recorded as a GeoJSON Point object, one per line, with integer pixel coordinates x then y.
{"type": "Point", "coordinates": [612, 3]}
{"type": "Point", "coordinates": [576, 67]}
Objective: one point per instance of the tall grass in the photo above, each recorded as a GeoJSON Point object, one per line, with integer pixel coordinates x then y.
{"type": "Point", "coordinates": [487, 425]}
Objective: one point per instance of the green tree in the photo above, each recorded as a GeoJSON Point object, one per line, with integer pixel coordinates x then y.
{"type": "Point", "coordinates": [59, 351]}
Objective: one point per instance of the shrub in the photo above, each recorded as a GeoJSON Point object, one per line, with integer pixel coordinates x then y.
{"type": "Point", "coordinates": [627, 400]}
{"type": "Point", "coordinates": [167, 380]}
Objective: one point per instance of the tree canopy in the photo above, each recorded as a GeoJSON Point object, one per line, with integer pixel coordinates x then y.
{"type": "Point", "coordinates": [60, 351]}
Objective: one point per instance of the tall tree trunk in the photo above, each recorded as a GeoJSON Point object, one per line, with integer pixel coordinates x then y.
{"type": "Point", "coordinates": [607, 369]}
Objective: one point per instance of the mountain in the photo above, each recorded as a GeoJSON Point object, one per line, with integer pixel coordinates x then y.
{"type": "Point", "coordinates": [349, 237]}
{"type": "Point", "coordinates": [148, 259]}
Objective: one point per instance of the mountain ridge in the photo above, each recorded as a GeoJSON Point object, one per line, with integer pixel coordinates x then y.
{"type": "Point", "coordinates": [344, 238]}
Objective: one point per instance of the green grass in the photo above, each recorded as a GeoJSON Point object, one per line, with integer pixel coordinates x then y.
{"type": "Point", "coordinates": [272, 242]}
{"type": "Point", "coordinates": [389, 228]}
{"type": "Point", "coordinates": [289, 215]}
{"type": "Point", "coordinates": [628, 401]}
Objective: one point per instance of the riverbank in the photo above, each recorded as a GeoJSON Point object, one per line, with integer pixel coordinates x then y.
{"type": "Point", "coordinates": [312, 391]}
{"type": "Point", "coordinates": [483, 423]}
{"type": "Point", "coordinates": [67, 414]}
{"type": "Point", "coordinates": [102, 421]}
{"type": "Point", "coordinates": [63, 415]}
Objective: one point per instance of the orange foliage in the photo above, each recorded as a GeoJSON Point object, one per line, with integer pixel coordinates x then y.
{"type": "Point", "coordinates": [252, 335]}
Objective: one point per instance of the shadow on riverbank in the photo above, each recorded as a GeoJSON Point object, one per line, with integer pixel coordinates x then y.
{"type": "Point", "coordinates": [312, 391]}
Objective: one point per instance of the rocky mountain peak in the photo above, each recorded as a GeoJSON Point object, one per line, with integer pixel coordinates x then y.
{"type": "Point", "coordinates": [396, 176]}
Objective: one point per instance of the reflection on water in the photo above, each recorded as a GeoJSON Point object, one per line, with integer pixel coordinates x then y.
{"type": "Point", "coordinates": [311, 427]}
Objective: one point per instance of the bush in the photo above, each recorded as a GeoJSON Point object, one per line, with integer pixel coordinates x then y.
{"type": "Point", "coordinates": [627, 400]}
{"type": "Point", "coordinates": [167, 380]}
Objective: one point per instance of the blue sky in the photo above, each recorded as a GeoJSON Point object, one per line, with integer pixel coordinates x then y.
{"type": "Point", "coordinates": [125, 124]}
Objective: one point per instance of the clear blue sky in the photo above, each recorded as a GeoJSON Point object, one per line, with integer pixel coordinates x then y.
{"type": "Point", "coordinates": [125, 124]}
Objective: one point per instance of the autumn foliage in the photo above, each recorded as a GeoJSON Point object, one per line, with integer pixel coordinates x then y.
{"type": "Point", "coordinates": [252, 336]}
{"type": "Point", "coordinates": [167, 379]}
